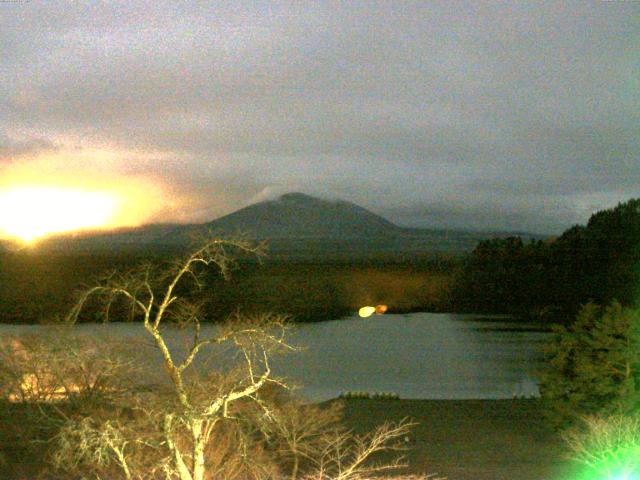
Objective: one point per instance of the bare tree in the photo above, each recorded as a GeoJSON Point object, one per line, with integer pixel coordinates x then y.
{"type": "Point", "coordinates": [51, 378]}
{"type": "Point", "coordinates": [154, 296]}
{"type": "Point", "coordinates": [344, 456]}
{"type": "Point", "coordinates": [59, 364]}
{"type": "Point", "coordinates": [199, 423]}
{"type": "Point", "coordinates": [300, 432]}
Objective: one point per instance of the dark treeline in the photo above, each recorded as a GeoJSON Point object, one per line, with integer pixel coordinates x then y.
{"type": "Point", "coordinates": [599, 262]}
{"type": "Point", "coordinates": [38, 286]}
{"type": "Point", "coordinates": [311, 291]}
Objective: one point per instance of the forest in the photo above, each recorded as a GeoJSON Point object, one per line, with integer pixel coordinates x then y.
{"type": "Point", "coordinates": [598, 262]}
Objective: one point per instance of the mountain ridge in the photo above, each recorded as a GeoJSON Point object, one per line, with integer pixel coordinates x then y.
{"type": "Point", "coordinates": [295, 225]}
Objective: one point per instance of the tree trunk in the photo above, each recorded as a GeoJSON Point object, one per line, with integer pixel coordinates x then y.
{"type": "Point", "coordinates": [182, 470]}
{"type": "Point", "coordinates": [296, 466]}
{"type": "Point", "coordinates": [198, 450]}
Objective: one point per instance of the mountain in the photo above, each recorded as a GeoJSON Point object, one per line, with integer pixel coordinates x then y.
{"type": "Point", "coordinates": [295, 226]}
{"type": "Point", "coordinates": [296, 215]}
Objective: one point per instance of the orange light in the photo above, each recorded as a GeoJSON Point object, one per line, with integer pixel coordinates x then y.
{"type": "Point", "coordinates": [380, 309]}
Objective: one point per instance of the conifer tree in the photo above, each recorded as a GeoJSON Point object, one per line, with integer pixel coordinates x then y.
{"type": "Point", "coordinates": [594, 365]}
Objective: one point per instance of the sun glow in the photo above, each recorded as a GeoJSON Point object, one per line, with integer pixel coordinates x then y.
{"type": "Point", "coordinates": [31, 212]}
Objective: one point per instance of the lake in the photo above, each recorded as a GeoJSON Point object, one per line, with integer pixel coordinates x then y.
{"type": "Point", "coordinates": [417, 355]}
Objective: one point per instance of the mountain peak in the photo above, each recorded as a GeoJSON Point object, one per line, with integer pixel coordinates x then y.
{"type": "Point", "coordinates": [302, 199]}
{"type": "Point", "coordinates": [296, 197]}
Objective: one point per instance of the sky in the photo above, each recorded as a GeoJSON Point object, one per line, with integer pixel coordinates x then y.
{"type": "Point", "coordinates": [478, 115]}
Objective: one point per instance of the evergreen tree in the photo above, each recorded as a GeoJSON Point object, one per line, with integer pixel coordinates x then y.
{"type": "Point", "coordinates": [594, 365]}
{"type": "Point", "coordinates": [598, 263]}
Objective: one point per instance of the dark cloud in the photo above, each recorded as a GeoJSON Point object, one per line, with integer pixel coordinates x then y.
{"type": "Point", "coordinates": [399, 106]}
{"type": "Point", "coordinates": [544, 214]}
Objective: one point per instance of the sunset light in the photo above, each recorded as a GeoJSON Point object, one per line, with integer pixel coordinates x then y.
{"type": "Point", "coordinates": [30, 212]}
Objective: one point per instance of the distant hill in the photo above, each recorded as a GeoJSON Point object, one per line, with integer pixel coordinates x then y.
{"type": "Point", "coordinates": [296, 215]}
{"type": "Point", "coordinates": [296, 226]}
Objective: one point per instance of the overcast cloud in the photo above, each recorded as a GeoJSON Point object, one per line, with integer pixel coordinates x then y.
{"type": "Point", "coordinates": [519, 116]}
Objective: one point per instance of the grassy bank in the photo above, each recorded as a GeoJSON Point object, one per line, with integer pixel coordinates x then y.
{"type": "Point", "coordinates": [459, 439]}
{"type": "Point", "coordinates": [471, 439]}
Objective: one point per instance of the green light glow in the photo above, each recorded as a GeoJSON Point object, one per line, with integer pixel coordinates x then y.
{"type": "Point", "coordinates": [621, 465]}
{"type": "Point", "coordinates": [606, 448]}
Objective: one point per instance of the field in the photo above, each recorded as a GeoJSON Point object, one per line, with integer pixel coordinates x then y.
{"type": "Point", "coordinates": [471, 439]}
